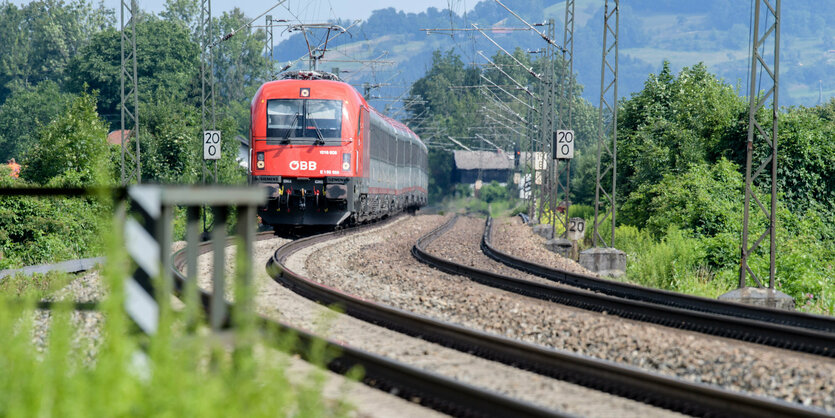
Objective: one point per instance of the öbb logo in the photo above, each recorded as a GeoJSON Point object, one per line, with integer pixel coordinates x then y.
{"type": "Point", "coordinates": [303, 165]}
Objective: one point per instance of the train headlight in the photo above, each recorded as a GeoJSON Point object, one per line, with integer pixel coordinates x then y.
{"type": "Point", "coordinates": [346, 161]}
{"type": "Point", "coordinates": [260, 163]}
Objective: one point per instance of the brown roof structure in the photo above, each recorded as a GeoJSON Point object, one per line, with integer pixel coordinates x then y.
{"type": "Point", "coordinates": [484, 160]}
{"type": "Point", "coordinates": [115, 137]}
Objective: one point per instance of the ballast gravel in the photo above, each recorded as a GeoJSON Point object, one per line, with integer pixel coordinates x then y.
{"type": "Point", "coordinates": [278, 302]}
{"type": "Point", "coordinates": [379, 267]}
{"type": "Point", "coordinates": [470, 230]}
{"type": "Point", "coordinates": [512, 237]}
{"type": "Point", "coordinates": [87, 325]}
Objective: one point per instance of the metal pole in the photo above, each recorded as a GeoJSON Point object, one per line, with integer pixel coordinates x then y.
{"type": "Point", "coordinates": [552, 110]}
{"type": "Point", "coordinates": [758, 62]}
{"type": "Point", "coordinates": [566, 105]}
{"type": "Point", "coordinates": [131, 167]}
{"type": "Point", "coordinates": [207, 85]}
{"type": "Point", "coordinates": [607, 132]}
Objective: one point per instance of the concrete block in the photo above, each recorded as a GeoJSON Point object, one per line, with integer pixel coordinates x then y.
{"type": "Point", "coordinates": [560, 246]}
{"type": "Point", "coordinates": [756, 296]}
{"type": "Point", "coordinates": [544, 230]}
{"type": "Point", "coordinates": [609, 262]}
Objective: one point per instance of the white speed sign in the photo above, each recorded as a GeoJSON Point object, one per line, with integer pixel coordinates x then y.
{"type": "Point", "coordinates": [563, 145]}
{"type": "Point", "coordinates": [211, 145]}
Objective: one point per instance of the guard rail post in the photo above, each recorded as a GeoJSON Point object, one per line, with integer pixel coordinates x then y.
{"type": "Point", "coordinates": [149, 246]}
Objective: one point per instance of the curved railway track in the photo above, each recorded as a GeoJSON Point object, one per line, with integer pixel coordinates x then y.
{"type": "Point", "coordinates": [775, 335]}
{"type": "Point", "coordinates": [630, 382]}
{"type": "Point", "coordinates": [432, 390]}
{"type": "Point", "coordinates": [657, 296]}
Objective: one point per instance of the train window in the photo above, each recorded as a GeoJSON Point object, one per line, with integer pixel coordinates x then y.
{"type": "Point", "coordinates": [324, 116]}
{"type": "Point", "coordinates": [294, 119]}
{"type": "Point", "coordinates": [283, 115]}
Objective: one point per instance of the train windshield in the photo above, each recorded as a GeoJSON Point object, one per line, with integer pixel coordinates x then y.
{"type": "Point", "coordinates": [304, 120]}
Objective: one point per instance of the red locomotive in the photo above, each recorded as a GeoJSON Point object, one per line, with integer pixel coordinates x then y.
{"type": "Point", "coordinates": [327, 157]}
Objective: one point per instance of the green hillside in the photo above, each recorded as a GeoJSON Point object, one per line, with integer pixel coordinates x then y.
{"type": "Point", "coordinates": [713, 32]}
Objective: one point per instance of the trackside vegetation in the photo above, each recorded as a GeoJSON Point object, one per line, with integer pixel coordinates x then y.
{"type": "Point", "coordinates": [680, 179]}
{"type": "Point", "coordinates": [59, 99]}
{"type": "Point", "coordinates": [51, 367]}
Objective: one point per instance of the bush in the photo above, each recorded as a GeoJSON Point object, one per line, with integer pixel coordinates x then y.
{"type": "Point", "coordinates": [73, 145]}
{"type": "Point", "coordinates": [673, 263]}
{"type": "Point", "coordinates": [705, 200]}
{"type": "Point", "coordinates": [493, 192]}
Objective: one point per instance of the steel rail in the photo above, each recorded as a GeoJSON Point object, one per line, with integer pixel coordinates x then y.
{"type": "Point", "coordinates": [775, 335]}
{"type": "Point", "coordinates": [432, 390]}
{"type": "Point", "coordinates": [657, 296]}
{"type": "Point", "coordinates": [621, 380]}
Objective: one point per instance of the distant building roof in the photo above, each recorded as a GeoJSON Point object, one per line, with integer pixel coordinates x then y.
{"type": "Point", "coordinates": [115, 137]}
{"type": "Point", "coordinates": [485, 160]}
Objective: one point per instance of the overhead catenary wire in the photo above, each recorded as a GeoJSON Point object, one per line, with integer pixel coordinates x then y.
{"type": "Point", "coordinates": [247, 24]}
{"type": "Point", "coordinates": [506, 74]}
{"type": "Point", "coordinates": [528, 69]}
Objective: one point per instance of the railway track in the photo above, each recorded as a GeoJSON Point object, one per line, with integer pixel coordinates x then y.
{"type": "Point", "coordinates": [432, 390]}
{"type": "Point", "coordinates": [657, 296]}
{"type": "Point", "coordinates": [775, 335]}
{"type": "Point", "coordinates": [630, 382]}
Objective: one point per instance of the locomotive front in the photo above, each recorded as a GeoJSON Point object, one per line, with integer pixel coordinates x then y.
{"type": "Point", "coordinates": [304, 148]}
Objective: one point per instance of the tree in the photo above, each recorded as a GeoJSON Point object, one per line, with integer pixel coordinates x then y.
{"type": "Point", "coordinates": [24, 113]}
{"type": "Point", "coordinates": [167, 64]}
{"type": "Point", "coordinates": [672, 124]}
{"type": "Point", "coordinates": [240, 66]}
{"type": "Point", "coordinates": [41, 37]}
{"type": "Point", "coordinates": [72, 148]}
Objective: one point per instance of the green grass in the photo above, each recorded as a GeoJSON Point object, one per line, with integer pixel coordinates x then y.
{"type": "Point", "coordinates": [36, 286]}
{"type": "Point", "coordinates": [189, 374]}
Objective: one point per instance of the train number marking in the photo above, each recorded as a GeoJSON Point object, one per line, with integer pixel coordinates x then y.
{"type": "Point", "coordinates": [327, 152]}
{"type": "Point", "coordinates": [303, 165]}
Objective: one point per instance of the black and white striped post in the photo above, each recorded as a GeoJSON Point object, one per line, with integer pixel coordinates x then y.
{"type": "Point", "coordinates": [148, 240]}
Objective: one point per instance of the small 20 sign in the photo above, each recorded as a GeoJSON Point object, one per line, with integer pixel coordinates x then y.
{"type": "Point", "coordinates": [563, 145]}
{"type": "Point", "coordinates": [211, 145]}
{"type": "Point", "coordinates": [576, 229]}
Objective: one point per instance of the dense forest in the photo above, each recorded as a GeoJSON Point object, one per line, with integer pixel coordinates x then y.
{"type": "Point", "coordinates": [59, 99]}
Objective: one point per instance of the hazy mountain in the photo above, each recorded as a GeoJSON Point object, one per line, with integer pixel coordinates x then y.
{"type": "Point", "coordinates": [715, 32]}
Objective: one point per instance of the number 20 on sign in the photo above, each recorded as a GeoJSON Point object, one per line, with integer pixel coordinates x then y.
{"type": "Point", "coordinates": [563, 145]}
{"type": "Point", "coordinates": [211, 145]}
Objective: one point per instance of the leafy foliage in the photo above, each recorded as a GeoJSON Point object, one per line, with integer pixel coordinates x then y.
{"type": "Point", "coordinates": [493, 192]}
{"type": "Point", "coordinates": [681, 153]}
{"type": "Point", "coordinates": [72, 146]}
{"type": "Point", "coordinates": [673, 123]}
{"type": "Point", "coordinates": [26, 111]}
{"type": "Point", "coordinates": [167, 64]}
{"type": "Point", "coordinates": [41, 37]}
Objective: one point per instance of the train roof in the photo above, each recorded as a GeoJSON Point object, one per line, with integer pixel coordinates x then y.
{"type": "Point", "coordinates": [292, 78]}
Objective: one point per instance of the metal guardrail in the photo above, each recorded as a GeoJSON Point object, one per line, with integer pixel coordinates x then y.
{"type": "Point", "coordinates": [148, 239]}
{"type": "Point", "coordinates": [69, 266]}
{"type": "Point", "coordinates": [775, 335]}
{"type": "Point", "coordinates": [657, 296]}
{"type": "Point", "coordinates": [630, 382]}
